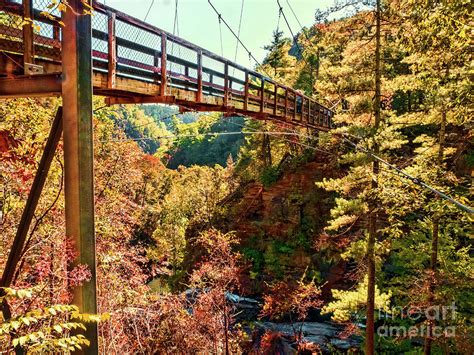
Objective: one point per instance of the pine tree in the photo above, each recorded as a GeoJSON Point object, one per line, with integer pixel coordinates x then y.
{"type": "Point", "coordinates": [277, 58]}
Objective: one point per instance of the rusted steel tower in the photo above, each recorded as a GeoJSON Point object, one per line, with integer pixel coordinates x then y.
{"type": "Point", "coordinates": [76, 123]}
{"type": "Point", "coordinates": [78, 152]}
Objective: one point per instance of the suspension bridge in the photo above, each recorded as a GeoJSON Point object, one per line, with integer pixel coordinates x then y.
{"type": "Point", "coordinates": [135, 62]}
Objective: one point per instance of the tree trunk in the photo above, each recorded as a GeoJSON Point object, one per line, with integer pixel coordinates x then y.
{"type": "Point", "coordinates": [226, 326]}
{"type": "Point", "coordinates": [266, 151]}
{"type": "Point", "coordinates": [370, 324]}
{"type": "Point", "coordinates": [434, 242]}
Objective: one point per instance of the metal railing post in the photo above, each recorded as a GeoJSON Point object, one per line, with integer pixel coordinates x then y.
{"type": "Point", "coordinates": [112, 51]}
{"type": "Point", "coordinates": [28, 39]}
{"type": "Point", "coordinates": [164, 78]}
{"type": "Point", "coordinates": [246, 91]}
{"type": "Point", "coordinates": [226, 84]}
{"type": "Point", "coordinates": [199, 76]}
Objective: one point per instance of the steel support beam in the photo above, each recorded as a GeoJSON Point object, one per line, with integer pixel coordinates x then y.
{"type": "Point", "coordinates": [30, 85]}
{"type": "Point", "coordinates": [140, 100]}
{"type": "Point", "coordinates": [78, 153]}
{"type": "Point", "coordinates": [32, 201]}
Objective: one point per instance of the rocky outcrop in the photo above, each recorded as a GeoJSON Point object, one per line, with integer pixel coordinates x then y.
{"type": "Point", "coordinates": [326, 335]}
{"type": "Point", "coordinates": [279, 224]}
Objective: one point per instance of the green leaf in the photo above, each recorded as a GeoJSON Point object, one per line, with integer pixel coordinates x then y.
{"type": "Point", "coordinates": [23, 340]}
{"type": "Point", "coordinates": [15, 325]}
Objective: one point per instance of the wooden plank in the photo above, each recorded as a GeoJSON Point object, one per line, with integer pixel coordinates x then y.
{"type": "Point", "coordinates": [112, 51]}
{"type": "Point", "coordinates": [164, 79]}
{"type": "Point", "coordinates": [262, 95]}
{"type": "Point", "coordinates": [156, 66]}
{"type": "Point", "coordinates": [141, 100]}
{"type": "Point", "coordinates": [295, 105]}
{"type": "Point", "coordinates": [57, 34]}
{"type": "Point", "coordinates": [17, 47]}
{"type": "Point", "coordinates": [124, 86]}
{"type": "Point", "coordinates": [246, 90]}
{"type": "Point", "coordinates": [309, 110]}
{"type": "Point", "coordinates": [286, 103]}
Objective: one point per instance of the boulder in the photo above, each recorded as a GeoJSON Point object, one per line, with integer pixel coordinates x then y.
{"type": "Point", "coordinates": [325, 335]}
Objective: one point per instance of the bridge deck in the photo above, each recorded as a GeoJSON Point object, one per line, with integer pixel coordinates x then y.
{"type": "Point", "coordinates": [135, 62]}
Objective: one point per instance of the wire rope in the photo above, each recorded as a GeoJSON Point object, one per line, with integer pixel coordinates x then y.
{"type": "Point", "coordinates": [220, 34]}
{"type": "Point", "coordinates": [238, 31]}
{"type": "Point", "coordinates": [238, 39]}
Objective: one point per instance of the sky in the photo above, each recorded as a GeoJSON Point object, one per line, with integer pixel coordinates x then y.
{"type": "Point", "coordinates": [198, 23]}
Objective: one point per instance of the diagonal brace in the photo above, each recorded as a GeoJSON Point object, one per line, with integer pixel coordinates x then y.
{"type": "Point", "coordinates": [33, 198]}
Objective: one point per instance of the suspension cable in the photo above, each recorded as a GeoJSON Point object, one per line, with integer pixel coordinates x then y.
{"type": "Point", "coordinates": [220, 34]}
{"type": "Point", "coordinates": [176, 22]}
{"type": "Point", "coordinates": [399, 172]}
{"type": "Point", "coordinates": [405, 175]}
{"type": "Point", "coordinates": [280, 9]}
{"type": "Point", "coordinates": [175, 32]}
{"type": "Point", "coordinates": [294, 14]}
{"type": "Point", "coordinates": [295, 39]}
{"type": "Point", "coordinates": [238, 39]}
{"type": "Point", "coordinates": [149, 9]}
{"type": "Point", "coordinates": [238, 31]}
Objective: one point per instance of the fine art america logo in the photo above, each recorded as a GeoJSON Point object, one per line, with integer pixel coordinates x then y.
{"type": "Point", "coordinates": [433, 314]}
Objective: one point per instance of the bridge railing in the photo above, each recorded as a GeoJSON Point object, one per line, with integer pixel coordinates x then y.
{"type": "Point", "coordinates": [124, 46]}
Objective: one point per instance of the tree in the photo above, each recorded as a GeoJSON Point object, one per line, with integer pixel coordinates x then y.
{"type": "Point", "coordinates": [430, 37]}
{"type": "Point", "coordinates": [416, 89]}
{"type": "Point", "coordinates": [277, 58]}
{"type": "Point", "coordinates": [364, 85]}
{"type": "Point", "coordinates": [291, 298]}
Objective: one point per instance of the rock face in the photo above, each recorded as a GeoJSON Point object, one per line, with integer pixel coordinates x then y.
{"type": "Point", "coordinates": [278, 226]}
{"type": "Point", "coordinates": [325, 335]}
{"type": "Point", "coordinates": [245, 308]}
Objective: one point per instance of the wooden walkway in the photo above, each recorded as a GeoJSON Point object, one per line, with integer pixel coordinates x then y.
{"type": "Point", "coordinates": [135, 62]}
